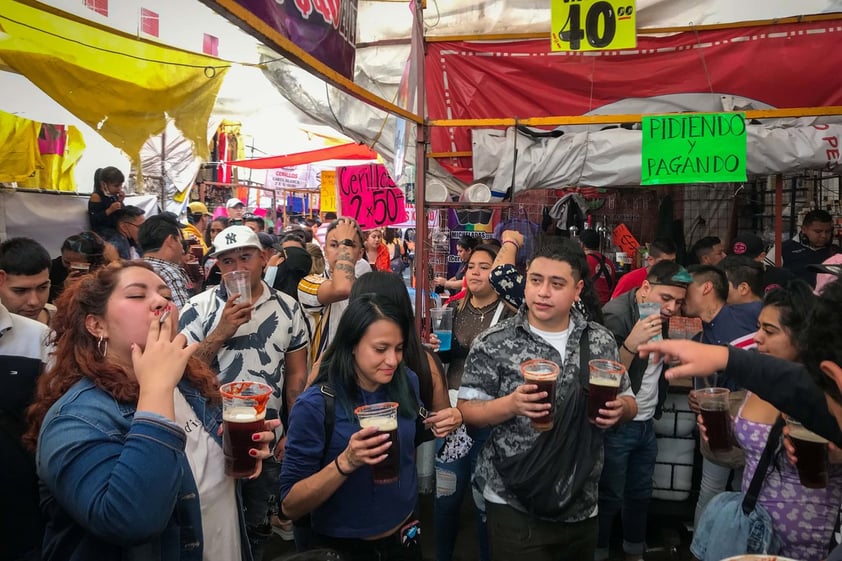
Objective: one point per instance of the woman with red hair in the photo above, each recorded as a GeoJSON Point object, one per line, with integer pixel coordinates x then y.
{"type": "Point", "coordinates": [127, 428]}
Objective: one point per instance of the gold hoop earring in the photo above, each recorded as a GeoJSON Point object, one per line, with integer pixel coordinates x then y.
{"type": "Point", "coordinates": [102, 346]}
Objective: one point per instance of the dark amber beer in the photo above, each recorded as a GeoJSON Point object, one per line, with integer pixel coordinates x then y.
{"type": "Point", "coordinates": [605, 377]}
{"type": "Point", "coordinates": [387, 471]}
{"type": "Point", "coordinates": [243, 414]}
{"type": "Point", "coordinates": [383, 416]}
{"type": "Point", "coordinates": [716, 415]}
{"type": "Point", "coordinates": [542, 373]}
{"type": "Point", "coordinates": [601, 392]}
{"type": "Point", "coordinates": [240, 424]}
{"type": "Point", "coordinates": [811, 451]}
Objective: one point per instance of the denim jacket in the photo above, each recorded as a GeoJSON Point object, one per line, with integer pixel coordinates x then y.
{"type": "Point", "coordinates": [116, 484]}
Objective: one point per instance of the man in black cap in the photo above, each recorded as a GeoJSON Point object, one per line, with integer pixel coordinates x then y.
{"type": "Point", "coordinates": [751, 246]}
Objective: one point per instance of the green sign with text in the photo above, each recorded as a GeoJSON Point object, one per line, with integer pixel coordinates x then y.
{"type": "Point", "coordinates": [693, 148]}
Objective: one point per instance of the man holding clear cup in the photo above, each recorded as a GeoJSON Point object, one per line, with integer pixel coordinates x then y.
{"type": "Point", "coordinates": [631, 448]}
{"type": "Point", "coordinates": [562, 523]}
{"type": "Point", "coordinates": [249, 331]}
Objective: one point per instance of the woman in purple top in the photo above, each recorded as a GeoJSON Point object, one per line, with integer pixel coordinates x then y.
{"type": "Point", "coordinates": [802, 518]}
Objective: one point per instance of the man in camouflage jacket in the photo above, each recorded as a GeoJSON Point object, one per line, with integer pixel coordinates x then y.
{"type": "Point", "coordinates": [493, 393]}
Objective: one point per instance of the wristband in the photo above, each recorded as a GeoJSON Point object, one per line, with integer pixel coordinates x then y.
{"type": "Point", "coordinates": [339, 469]}
{"type": "Point", "coordinates": [628, 349]}
{"type": "Point", "coordinates": [514, 243]}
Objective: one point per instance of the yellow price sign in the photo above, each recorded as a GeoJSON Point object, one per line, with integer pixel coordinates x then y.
{"type": "Point", "coordinates": [327, 192]}
{"type": "Point", "coordinates": [593, 25]}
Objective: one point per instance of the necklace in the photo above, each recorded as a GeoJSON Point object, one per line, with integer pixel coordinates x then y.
{"type": "Point", "coordinates": [481, 311]}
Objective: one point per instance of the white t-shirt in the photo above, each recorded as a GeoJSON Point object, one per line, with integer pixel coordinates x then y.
{"type": "Point", "coordinates": [217, 491]}
{"type": "Point", "coordinates": [647, 395]}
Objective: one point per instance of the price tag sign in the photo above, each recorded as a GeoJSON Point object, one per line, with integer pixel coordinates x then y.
{"type": "Point", "coordinates": [593, 25]}
{"type": "Point", "coordinates": [369, 196]}
{"type": "Point", "coordinates": [693, 148]}
{"type": "Point", "coordinates": [327, 192]}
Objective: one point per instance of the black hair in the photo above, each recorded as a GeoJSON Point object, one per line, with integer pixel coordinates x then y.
{"type": "Point", "coordinates": [493, 242]}
{"type": "Point", "coordinates": [741, 269]}
{"type": "Point", "coordinates": [817, 215]}
{"type": "Point", "coordinates": [23, 256]}
{"type": "Point", "coordinates": [391, 288]}
{"type": "Point", "coordinates": [294, 236]}
{"type": "Point", "coordinates": [89, 245]}
{"type": "Point", "coordinates": [261, 224]}
{"type": "Point", "coordinates": [390, 234]}
{"type": "Point", "coordinates": [468, 242]}
{"type": "Point", "coordinates": [703, 247]}
{"type": "Point", "coordinates": [335, 223]}
{"type": "Point", "coordinates": [110, 175]}
{"type": "Point", "coordinates": [794, 303]}
{"type": "Point", "coordinates": [713, 275]}
{"type": "Point", "coordinates": [662, 272]}
{"type": "Point", "coordinates": [338, 368]}
{"type": "Point", "coordinates": [589, 239]}
{"type": "Point", "coordinates": [822, 339]}
{"type": "Point", "coordinates": [330, 216]}
{"type": "Point", "coordinates": [156, 229]}
{"type": "Point", "coordinates": [222, 220]}
{"type": "Point", "coordinates": [127, 214]}
{"type": "Point", "coordinates": [570, 252]}
{"type": "Point", "coordinates": [661, 247]}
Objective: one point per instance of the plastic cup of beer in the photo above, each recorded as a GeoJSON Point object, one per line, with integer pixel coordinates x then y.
{"type": "Point", "coordinates": [811, 450]}
{"type": "Point", "coordinates": [238, 282]}
{"type": "Point", "coordinates": [604, 384]}
{"type": "Point", "coordinates": [243, 412]}
{"type": "Point", "coordinates": [647, 309]}
{"type": "Point", "coordinates": [544, 374]}
{"type": "Point", "coordinates": [716, 414]}
{"type": "Point", "coordinates": [442, 319]}
{"type": "Point", "coordinates": [383, 416]}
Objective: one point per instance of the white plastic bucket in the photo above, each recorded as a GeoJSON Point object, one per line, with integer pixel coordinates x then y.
{"type": "Point", "coordinates": [476, 193]}
{"type": "Point", "coordinates": [435, 191]}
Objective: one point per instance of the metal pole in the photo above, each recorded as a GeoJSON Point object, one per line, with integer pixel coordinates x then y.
{"type": "Point", "coordinates": [421, 280]}
{"type": "Point", "coordinates": [779, 217]}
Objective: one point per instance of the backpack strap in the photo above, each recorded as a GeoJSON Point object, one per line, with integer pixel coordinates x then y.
{"type": "Point", "coordinates": [584, 358]}
{"type": "Point", "coordinates": [330, 417]}
{"type": "Point", "coordinates": [603, 271]}
{"type": "Point", "coordinates": [763, 465]}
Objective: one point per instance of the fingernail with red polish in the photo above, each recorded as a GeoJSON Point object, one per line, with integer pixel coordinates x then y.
{"type": "Point", "coordinates": [255, 436]}
{"type": "Point", "coordinates": [253, 453]}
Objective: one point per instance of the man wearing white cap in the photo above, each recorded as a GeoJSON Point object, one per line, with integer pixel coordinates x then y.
{"type": "Point", "coordinates": [263, 340]}
{"type": "Point", "coordinates": [236, 209]}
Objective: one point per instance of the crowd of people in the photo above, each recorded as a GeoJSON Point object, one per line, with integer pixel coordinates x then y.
{"type": "Point", "coordinates": [114, 353]}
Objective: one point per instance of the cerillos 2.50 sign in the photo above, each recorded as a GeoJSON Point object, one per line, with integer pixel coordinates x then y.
{"type": "Point", "coordinates": [368, 194]}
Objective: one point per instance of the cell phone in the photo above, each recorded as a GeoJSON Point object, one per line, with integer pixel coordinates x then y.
{"type": "Point", "coordinates": [80, 266]}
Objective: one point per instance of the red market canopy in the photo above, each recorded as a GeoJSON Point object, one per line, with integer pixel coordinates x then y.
{"type": "Point", "coordinates": [350, 151]}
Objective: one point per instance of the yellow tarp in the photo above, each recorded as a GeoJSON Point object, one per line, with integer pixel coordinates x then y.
{"type": "Point", "coordinates": [122, 87]}
{"type": "Point", "coordinates": [19, 155]}
{"type": "Point", "coordinates": [56, 170]}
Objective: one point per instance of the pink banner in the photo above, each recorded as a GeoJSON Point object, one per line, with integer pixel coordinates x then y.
{"type": "Point", "coordinates": [368, 195]}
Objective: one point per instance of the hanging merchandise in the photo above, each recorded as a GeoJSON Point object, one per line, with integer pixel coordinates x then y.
{"type": "Point", "coordinates": [528, 229]}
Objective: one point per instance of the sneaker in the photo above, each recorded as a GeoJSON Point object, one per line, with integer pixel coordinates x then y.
{"type": "Point", "coordinates": [282, 529]}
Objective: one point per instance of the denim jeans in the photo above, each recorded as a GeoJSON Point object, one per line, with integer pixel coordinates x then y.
{"type": "Point", "coordinates": [626, 484]}
{"type": "Point", "coordinates": [257, 507]}
{"type": "Point", "coordinates": [453, 479]}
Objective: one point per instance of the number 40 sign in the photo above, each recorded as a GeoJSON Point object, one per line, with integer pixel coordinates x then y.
{"type": "Point", "coordinates": [593, 25]}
